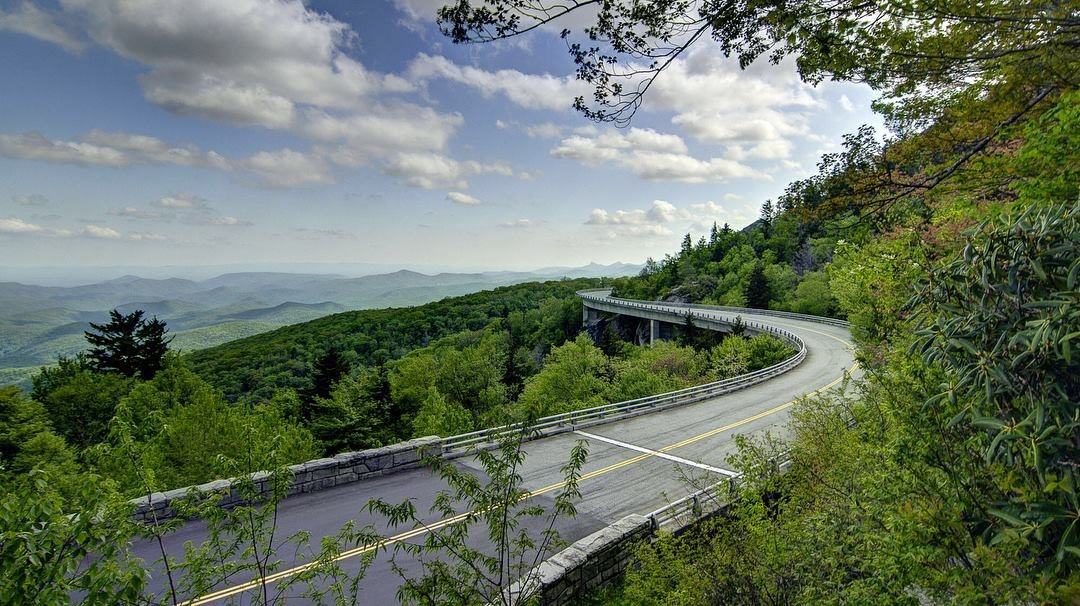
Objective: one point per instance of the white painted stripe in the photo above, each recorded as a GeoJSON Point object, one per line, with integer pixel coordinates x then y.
{"type": "Point", "coordinates": [657, 453]}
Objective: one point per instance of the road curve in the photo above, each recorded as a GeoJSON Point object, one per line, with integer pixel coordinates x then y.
{"type": "Point", "coordinates": [635, 465]}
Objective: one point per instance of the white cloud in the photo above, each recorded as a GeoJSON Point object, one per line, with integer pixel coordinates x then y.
{"type": "Point", "coordinates": [278, 64]}
{"type": "Point", "coordinates": [104, 233]}
{"type": "Point", "coordinates": [399, 127]}
{"type": "Point", "coordinates": [100, 148]}
{"type": "Point", "coordinates": [461, 198]}
{"type": "Point", "coordinates": [519, 223]}
{"type": "Point", "coordinates": [525, 90]}
{"type": "Point", "coordinates": [545, 130]}
{"type": "Point", "coordinates": [656, 219]}
{"type": "Point", "coordinates": [288, 168]}
{"type": "Point", "coordinates": [762, 108]}
{"type": "Point", "coordinates": [650, 155]}
{"type": "Point", "coordinates": [659, 212]}
{"type": "Point", "coordinates": [33, 21]}
{"type": "Point", "coordinates": [182, 200]}
{"type": "Point", "coordinates": [256, 59]}
{"type": "Point", "coordinates": [846, 104]}
{"type": "Point", "coordinates": [12, 225]}
{"type": "Point", "coordinates": [436, 171]}
{"type": "Point", "coordinates": [19, 227]}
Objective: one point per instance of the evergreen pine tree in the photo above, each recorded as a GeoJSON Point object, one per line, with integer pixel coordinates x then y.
{"type": "Point", "coordinates": [128, 344]}
{"type": "Point", "coordinates": [757, 290]}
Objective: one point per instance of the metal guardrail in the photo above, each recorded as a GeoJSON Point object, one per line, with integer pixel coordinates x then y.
{"type": "Point", "coordinates": [707, 500]}
{"type": "Point", "coordinates": [610, 412]}
{"type": "Point", "coordinates": [595, 294]}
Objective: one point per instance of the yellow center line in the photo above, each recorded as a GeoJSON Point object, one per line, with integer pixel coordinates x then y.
{"type": "Point", "coordinates": [230, 591]}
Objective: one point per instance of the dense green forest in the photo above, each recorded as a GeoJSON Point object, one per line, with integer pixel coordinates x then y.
{"type": "Point", "coordinates": [254, 367]}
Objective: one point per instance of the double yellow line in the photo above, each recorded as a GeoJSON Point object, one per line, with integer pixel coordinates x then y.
{"type": "Point", "coordinates": [277, 576]}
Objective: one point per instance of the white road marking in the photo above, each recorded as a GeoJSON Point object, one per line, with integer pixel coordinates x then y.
{"type": "Point", "coordinates": [656, 453]}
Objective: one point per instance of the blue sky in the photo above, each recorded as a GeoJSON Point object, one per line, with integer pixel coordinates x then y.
{"type": "Point", "coordinates": [267, 132]}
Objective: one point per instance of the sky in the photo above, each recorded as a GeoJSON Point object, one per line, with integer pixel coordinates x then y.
{"type": "Point", "coordinates": [274, 132]}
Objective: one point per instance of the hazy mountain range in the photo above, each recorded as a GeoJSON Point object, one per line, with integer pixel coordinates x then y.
{"type": "Point", "coordinates": [38, 323]}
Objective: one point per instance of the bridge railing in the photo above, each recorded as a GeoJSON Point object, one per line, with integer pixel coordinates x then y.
{"type": "Point", "coordinates": [569, 421]}
{"type": "Point", "coordinates": [678, 514]}
{"type": "Point", "coordinates": [602, 295]}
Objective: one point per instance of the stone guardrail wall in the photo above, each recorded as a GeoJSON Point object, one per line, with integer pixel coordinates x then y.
{"type": "Point", "coordinates": [596, 561]}
{"type": "Point", "coordinates": [319, 474]}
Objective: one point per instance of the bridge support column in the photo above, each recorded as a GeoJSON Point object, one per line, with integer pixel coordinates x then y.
{"type": "Point", "coordinates": [588, 315]}
{"type": "Point", "coordinates": [654, 331]}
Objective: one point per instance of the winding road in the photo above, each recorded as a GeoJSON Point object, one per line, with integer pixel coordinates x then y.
{"type": "Point", "coordinates": [635, 465]}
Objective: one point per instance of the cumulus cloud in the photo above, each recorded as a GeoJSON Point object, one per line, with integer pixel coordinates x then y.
{"type": "Point", "coordinates": [656, 219]}
{"type": "Point", "coordinates": [544, 130]}
{"type": "Point", "coordinates": [182, 200]}
{"type": "Point", "coordinates": [436, 171]}
{"type": "Point", "coordinates": [104, 233]}
{"type": "Point", "coordinates": [650, 155]}
{"type": "Point", "coordinates": [100, 148]}
{"type": "Point", "coordinates": [19, 227]}
{"type": "Point", "coordinates": [519, 223]}
{"type": "Point", "coordinates": [257, 61]}
{"type": "Point", "coordinates": [288, 168]}
{"type": "Point", "coordinates": [397, 127]}
{"type": "Point", "coordinates": [761, 108]}
{"type": "Point", "coordinates": [461, 198]}
{"type": "Point", "coordinates": [13, 225]}
{"type": "Point", "coordinates": [28, 19]}
{"type": "Point", "coordinates": [279, 65]}
{"type": "Point", "coordinates": [530, 91]}
{"type": "Point", "coordinates": [846, 104]}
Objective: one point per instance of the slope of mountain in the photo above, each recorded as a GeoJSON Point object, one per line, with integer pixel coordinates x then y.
{"type": "Point", "coordinates": [39, 323]}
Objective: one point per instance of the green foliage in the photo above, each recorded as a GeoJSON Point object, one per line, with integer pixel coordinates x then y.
{"type": "Point", "coordinates": [758, 291]}
{"type": "Point", "coordinates": [454, 571]}
{"type": "Point", "coordinates": [813, 296]}
{"type": "Point", "coordinates": [27, 442]}
{"type": "Point", "coordinates": [185, 432]}
{"type": "Point", "coordinates": [1002, 320]}
{"type": "Point", "coordinates": [872, 284]}
{"type": "Point", "coordinates": [439, 416]}
{"type": "Point", "coordinates": [81, 407]}
{"type": "Point", "coordinates": [576, 375]}
{"type": "Point", "coordinates": [45, 551]}
{"type": "Point", "coordinates": [252, 369]}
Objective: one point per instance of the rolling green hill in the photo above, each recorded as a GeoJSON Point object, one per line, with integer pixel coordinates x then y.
{"type": "Point", "coordinates": [255, 366]}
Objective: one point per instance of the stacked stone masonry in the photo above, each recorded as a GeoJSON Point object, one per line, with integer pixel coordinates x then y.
{"type": "Point", "coordinates": [310, 476]}
{"type": "Point", "coordinates": [596, 561]}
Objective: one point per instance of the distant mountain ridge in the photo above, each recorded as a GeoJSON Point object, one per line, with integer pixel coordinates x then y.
{"type": "Point", "coordinates": [38, 323]}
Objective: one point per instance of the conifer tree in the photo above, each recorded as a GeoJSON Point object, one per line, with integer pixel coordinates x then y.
{"type": "Point", "coordinates": [128, 344]}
